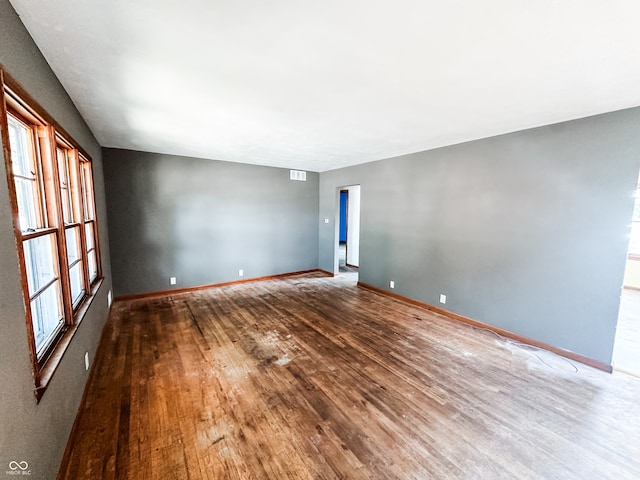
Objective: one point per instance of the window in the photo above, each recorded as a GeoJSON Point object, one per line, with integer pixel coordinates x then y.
{"type": "Point", "coordinates": [89, 218]}
{"type": "Point", "coordinates": [21, 142]}
{"type": "Point", "coordinates": [51, 188]}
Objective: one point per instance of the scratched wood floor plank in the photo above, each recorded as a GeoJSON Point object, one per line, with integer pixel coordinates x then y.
{"type": "Point", "coordinates": [311, 377]}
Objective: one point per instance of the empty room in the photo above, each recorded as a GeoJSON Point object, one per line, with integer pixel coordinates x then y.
{"type": "Point", "coordinates": [355, 240]}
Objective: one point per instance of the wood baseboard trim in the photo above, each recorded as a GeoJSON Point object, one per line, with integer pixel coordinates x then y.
{"type": "Point", "coordinates": [161, 293]}
{"type": "Point", "coordinates": [351, 266]}
{"type": "Point", "coordinates": [328, 274]}
{"type": "Point", "coordinates": [504, 333]}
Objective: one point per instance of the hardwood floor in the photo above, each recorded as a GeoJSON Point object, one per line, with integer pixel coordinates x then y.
{"type": "Point", "coordinates": [311, 377]}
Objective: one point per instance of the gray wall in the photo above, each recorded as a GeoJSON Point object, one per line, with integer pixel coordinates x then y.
{"type": "Point", "coordinates": [37, 433]}
{"type": "Point", "coordinates": [526, 231]}
{"type": "Point", "coordinates": [203, 220]}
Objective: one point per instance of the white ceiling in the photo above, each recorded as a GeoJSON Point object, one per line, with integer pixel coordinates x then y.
{"type": "Point", "coordinates": [325, 84]}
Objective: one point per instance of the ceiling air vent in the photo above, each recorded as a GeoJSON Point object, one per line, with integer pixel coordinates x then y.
{"type": "Point", "coordinates": [298, 175]}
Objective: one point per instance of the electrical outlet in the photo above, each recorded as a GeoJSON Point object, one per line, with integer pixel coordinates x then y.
{"type": "Point", "coordinates": [241, 273]}
{"type": "Point", "coordinates": [86, 360]}
{"type": "Point", "coordinates": [326, 220]}
{"type": "Point", "coordinates": [392, 284]}
{"type": "Point", "coordinates": [443, 298]}
{"type": "Point", "coordinates": [172, 280]}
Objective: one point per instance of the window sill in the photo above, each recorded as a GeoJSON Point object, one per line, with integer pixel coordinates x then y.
{"type": "Point", "coordinates": [48, 369]}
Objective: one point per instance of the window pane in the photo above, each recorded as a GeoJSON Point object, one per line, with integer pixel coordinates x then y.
{"type": "Point", "coordinates": [24, 174]}
{"type": "Point", "coordinates": [73, 244]}
{"type": "Point", "coordinates": [87, 192]}
{"type": "Point", "coordinates": [93, 266]}
{"type": "Point", "coordinates": [77, 283]}
{"type": "Point", "coordinates": [65, 189]}
{"type": "Point", "coordinates": [19, 142]}
{"type": "Point", "coordinates": [88, 230]}
{"type": "Point", "coordinates": [40, 260]}
{"type": "Point", "coordinates": [26, 195]}
{"type": "Point", "coordinates": [46, 315]}
{"type": "Point", "coordinates": [76, 274]}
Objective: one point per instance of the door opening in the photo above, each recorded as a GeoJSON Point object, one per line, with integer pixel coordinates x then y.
{"type": "Point", "coordinates": [347, 245]}
{"type": "Point", "coordinates": [343, 231]}
{"type": "Point", "coordinates": [626, 349]}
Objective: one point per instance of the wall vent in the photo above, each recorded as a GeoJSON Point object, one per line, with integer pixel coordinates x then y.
{"type": "Point", "coordinates": [298, 175]}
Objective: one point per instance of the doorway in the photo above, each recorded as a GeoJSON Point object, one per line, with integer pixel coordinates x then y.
{"type": "Point", "coordinates": [626, 349]}
{"type": "Point", "coordinates": [348, 232]}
